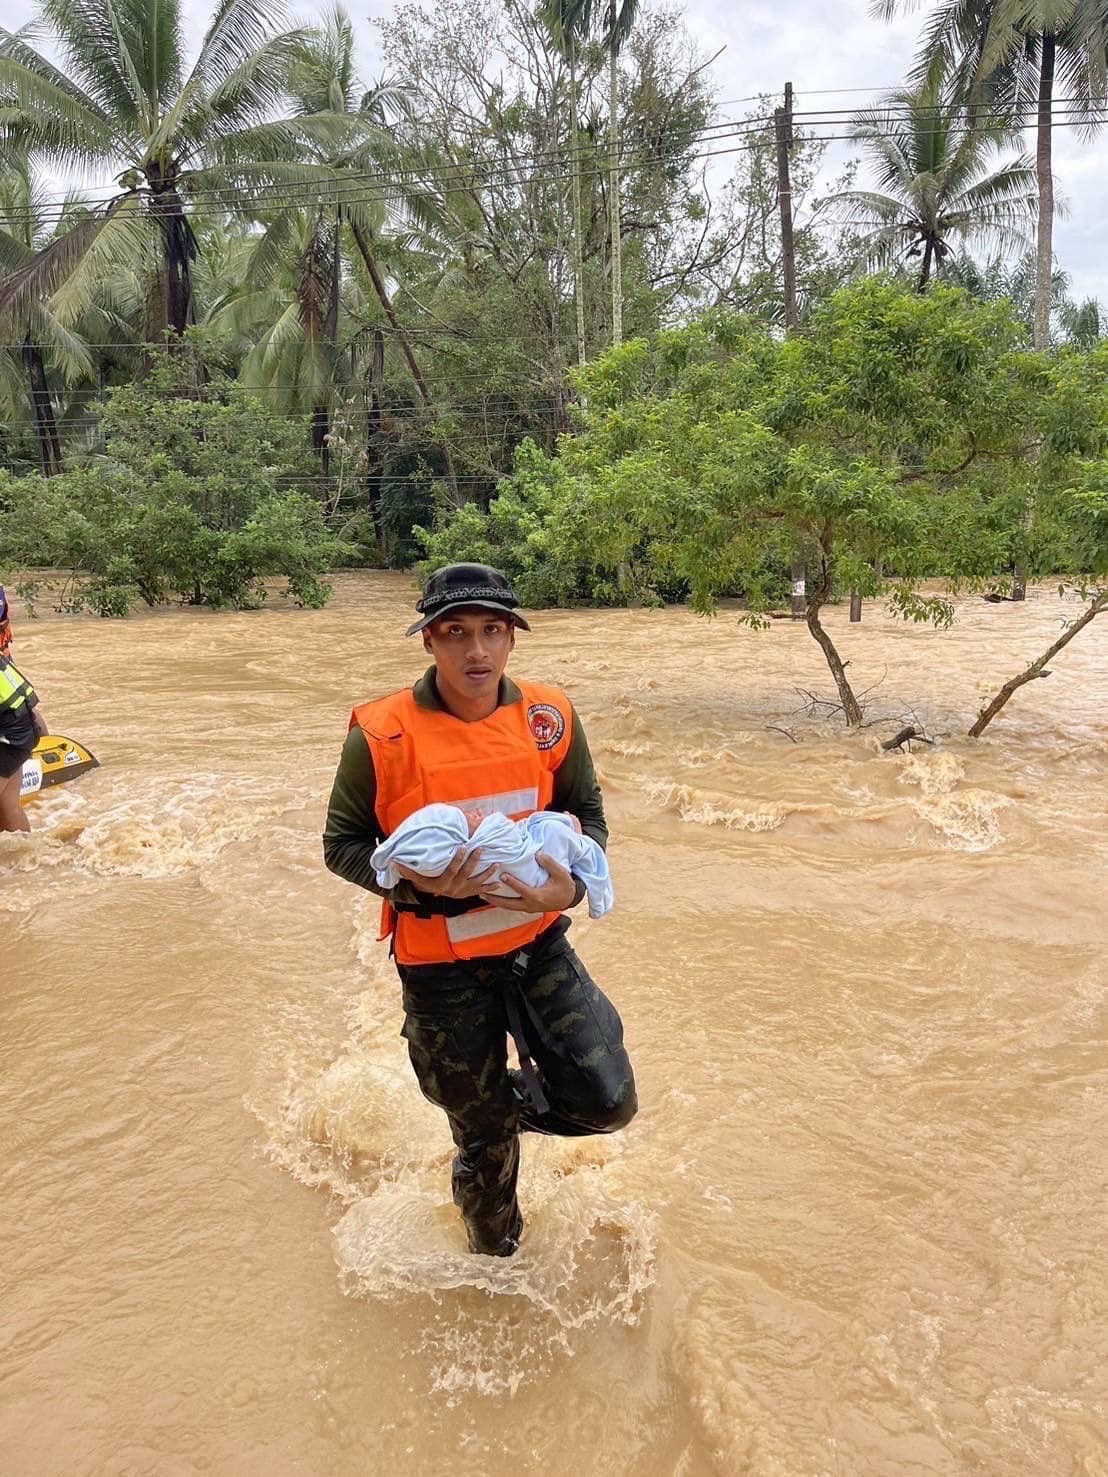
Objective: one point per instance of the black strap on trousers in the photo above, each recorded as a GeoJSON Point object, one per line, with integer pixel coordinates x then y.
{"type": "Point", "coordinates": [516, 1006]}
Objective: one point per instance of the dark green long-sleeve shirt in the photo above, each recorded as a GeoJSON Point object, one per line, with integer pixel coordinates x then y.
{"type": "Point", "coordinates": [352, 831]}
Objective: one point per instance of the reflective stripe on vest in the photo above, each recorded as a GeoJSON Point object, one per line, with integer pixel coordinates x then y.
{"type": "Point", "coordinates": [14, 687]}
{"type": "Point", "coordinates": [502, 764]}
{"type": "Point", "coordinates": [483, 922]}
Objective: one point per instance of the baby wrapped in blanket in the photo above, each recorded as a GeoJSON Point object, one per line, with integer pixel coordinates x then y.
{"type": "Point", "coordinates": [429, 839]}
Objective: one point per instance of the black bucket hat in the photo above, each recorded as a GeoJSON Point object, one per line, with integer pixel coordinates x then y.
{"type": "Point", "coordinates": [456, 585]}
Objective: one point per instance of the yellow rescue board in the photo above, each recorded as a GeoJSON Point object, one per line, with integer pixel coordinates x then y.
{"type": "Point", "coordinates": [54, 761]}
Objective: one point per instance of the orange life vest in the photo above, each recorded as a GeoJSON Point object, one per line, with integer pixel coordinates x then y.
{"type": "Point", "coordinates": [504, 763]}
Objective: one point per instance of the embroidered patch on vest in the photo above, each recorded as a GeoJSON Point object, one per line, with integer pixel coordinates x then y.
{"type": "Point", "coordinates": [546, 724]}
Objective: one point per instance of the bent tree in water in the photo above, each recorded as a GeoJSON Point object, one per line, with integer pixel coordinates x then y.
{"type": "Point", "coordinates": [1038, 667]}
{"type": "Point", "coordinates": [814, 603]}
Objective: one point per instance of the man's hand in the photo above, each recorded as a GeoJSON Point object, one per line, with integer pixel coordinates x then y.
{"type": "Point", "coordinates": [551, 897]}
{"type": "Point", "coordinates": [464, 877]}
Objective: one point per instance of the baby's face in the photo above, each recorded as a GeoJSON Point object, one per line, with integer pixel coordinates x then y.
{"type": "Point", "coordinates": [473, 819]}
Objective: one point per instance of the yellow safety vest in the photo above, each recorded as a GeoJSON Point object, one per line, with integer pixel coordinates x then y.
{"type": "Point", "coordinates": [14, 687]}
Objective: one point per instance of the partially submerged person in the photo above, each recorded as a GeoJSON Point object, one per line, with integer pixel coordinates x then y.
{"type": "Point", "coordinates": [474, 965]}
{"type": "Point", "coordinates": [21, 723]}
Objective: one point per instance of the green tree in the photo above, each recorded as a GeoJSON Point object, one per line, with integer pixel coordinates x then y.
{"type": "Point", "coordinates": [196, 497]}
{"type": "Point", "coordinates": [889, 443]}
{"type": "Point", "coordinates": [577, 22]}
{"type": "Point", "coordinates": [936, 183]}
{"type": "Point", "coordinates": [26, 226]}
{"type": "Point", "coordinates": [127, 104]}
{"type": "Point", "coordinates": [487, 279]}
{"type": "Point", "coordinates": [1080, 323]}
{"type": "Point", "coordinates": [1065, 399]}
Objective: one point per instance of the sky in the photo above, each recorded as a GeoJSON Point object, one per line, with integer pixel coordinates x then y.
{"type": "Point", "coordinates": [837, 56]}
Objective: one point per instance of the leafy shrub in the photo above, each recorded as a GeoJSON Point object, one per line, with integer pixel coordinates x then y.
{"type": "Point", "coordinates": [195, 499]}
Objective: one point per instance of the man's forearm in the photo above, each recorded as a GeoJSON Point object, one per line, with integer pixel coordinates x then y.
{"type": "Point", "coordinates": [349, 858]}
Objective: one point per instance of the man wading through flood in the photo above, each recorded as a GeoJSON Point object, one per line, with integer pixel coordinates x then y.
{"type": "Point", "coordinates": [474, 966]}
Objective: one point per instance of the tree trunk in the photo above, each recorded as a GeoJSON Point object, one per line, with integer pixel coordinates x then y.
{"type": "Point", "coordinates": [816, 601]}
{"type": "Point", "coordinates": [374, 458]}
{"type": "Point", "coordinates": [613, 177]}
{"type": "Point", "coordinates": [846, 693]}
{"type": "Point", "coordinates": [321, 426]}
{"type": "Point", "coordinates": [405, 346]}
{"type": "Point", "coordinates": [578, 246]}
{"type": "Point", "coordinates": [925, 268]}
{"type": "Point", "coordinates": [855, 607]}
{"type": "Point", "coordinates": [46, 426]}
{"type": "Point", "coordinates": [1044, 248]}
{"type": "Point", "coordinates": [799, 599]}
{"type": "Point", "coordinates": [989, 712]}
{"type": "Point", "coordinates": [1044, 241]}
{"type": "Point", "coordinates": [180, 253]}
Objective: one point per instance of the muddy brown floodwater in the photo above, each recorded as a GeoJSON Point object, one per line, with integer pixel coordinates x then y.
{"type": "Point", "coordinates": [860, 1223]}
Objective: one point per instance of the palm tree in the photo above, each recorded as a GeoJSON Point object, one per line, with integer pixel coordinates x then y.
{"type": "Point", "coordinates": [1010, 52]}
{"type": "Point", "coordinates": [576, 22]}
{"type": "Point", "coordinates": [347, 133]}
{"type": "Point", "coordinates": [281, 308]}
{"type": "Point", "coordinates": [563, 20]}
{"type": "Point", "coordinates": [125, 104]}
{"type": "Point", "coordinates": [999, 279]}
{"type": "Point", "coordinates": [1083, 324]}
{"type": "Point", "coordinates": [55, 354]}
{"type": "Point", "coordinates": [936, 183]}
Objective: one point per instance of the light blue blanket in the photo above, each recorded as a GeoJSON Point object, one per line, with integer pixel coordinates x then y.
{"type": "Point", "coordinates": [429, 839]}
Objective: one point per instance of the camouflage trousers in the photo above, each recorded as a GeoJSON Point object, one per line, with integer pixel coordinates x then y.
{"type": "Point", "coordinates": [456, 1018]}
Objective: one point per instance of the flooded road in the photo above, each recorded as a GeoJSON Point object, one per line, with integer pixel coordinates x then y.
{"type": "Point", "coordinates": [860, 1223]}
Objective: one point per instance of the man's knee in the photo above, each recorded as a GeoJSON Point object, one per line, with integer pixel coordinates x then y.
{"type": "Point", "coordinates": [618, 1112]}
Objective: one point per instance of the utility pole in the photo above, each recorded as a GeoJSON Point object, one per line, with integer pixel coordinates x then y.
{"type": "Point", "coordinates": [783, 128]}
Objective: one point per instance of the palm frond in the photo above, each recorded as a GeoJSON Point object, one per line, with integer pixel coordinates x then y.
{"type": "Point", "coordinates": [236, 184]}
{"type": "Point", "coordinates": [270, 249]}
{"type": "Point", "coordinates": [245, 314]}
{"type": "Point", "coordinates": [42, 272]}
{"type": "Point", "coordinates": [1013, 185]}
{"type": "Point", "coordinates": [66, 350]}
{"type": "Point", "coordinates": [238, 28]}
{"type": "Point", "coordinates": [96, 37]}
{"type": "Point", "coordinates": [49, 118]}
{"type": "Point", "coordinates": [865, 208]}
{"type": "Point", "coordinates": [14, 252]}
{"type": "Point", "coordinates": [170, 134]}
{"type": "Point", "coordinates": [249, 91]}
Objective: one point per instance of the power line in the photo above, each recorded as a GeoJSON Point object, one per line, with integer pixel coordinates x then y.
{"type": "Point", "coordinates": [1068, 112]}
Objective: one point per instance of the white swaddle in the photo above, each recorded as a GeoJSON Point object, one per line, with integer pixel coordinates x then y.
{"type": "Point", "coordinates": [429, 839]}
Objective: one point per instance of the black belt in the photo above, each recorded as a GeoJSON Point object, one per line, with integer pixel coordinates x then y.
{"type": "Point", "coordinates": [440, 907]}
